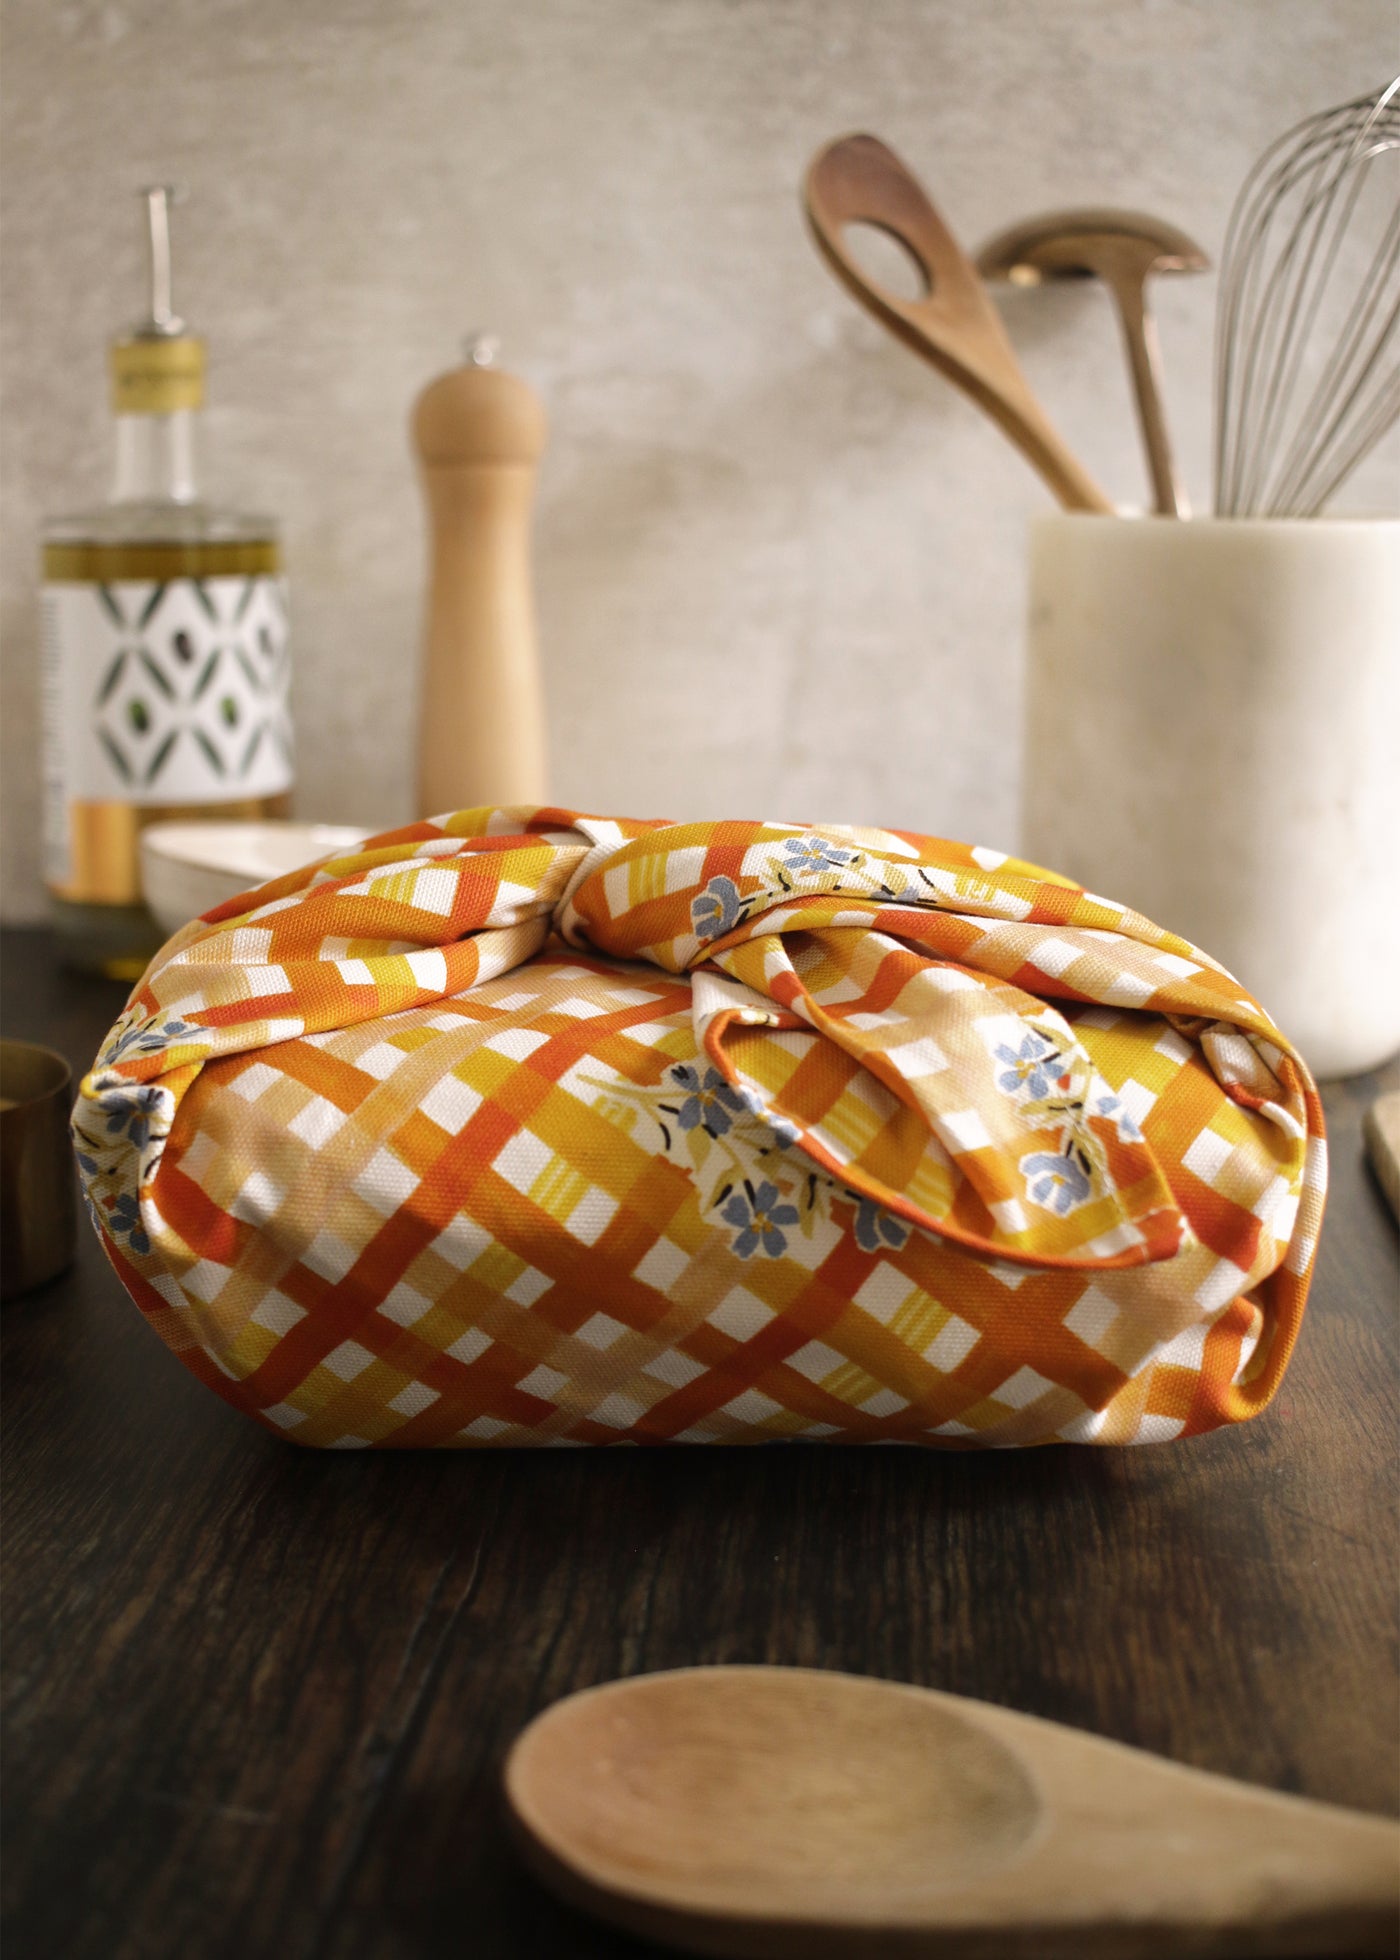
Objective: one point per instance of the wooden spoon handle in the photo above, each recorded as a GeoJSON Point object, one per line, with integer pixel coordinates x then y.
{"type": "Point", "coordinates": [1177, 1859]}
{"type": "Point", "coordinates": [859, 180]}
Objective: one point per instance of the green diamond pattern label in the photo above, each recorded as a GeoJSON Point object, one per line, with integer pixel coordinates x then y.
{"type": "Point", "coordinates": [173, 692]}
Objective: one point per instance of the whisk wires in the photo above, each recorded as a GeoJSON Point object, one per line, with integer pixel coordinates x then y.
{"type": "Point", "coordinates": [1307, 377]}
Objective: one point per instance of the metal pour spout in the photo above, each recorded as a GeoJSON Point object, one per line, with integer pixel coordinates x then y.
{"type": "Point", "coordinates": [163, 322]}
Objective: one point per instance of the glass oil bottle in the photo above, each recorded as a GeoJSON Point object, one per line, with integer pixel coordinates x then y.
{"type": "Point", "coordinates": [164, 648]}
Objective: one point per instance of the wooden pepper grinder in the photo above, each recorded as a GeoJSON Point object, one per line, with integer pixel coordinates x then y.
{"type": "Point", "coordinates": [478, 434]}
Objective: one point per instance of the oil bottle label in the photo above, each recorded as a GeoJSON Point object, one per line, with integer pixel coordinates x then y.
{"type": "Point", "coordinates": [161, 693]}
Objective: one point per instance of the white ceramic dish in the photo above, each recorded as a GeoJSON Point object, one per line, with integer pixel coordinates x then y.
{"type": "Point", "coordinates": [186, 868]}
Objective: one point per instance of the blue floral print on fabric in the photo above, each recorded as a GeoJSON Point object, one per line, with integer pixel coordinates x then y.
{"type": "Point", "coordinates": [709, 1103]}
{"type": "Point", "coordinates": [146, 1038]}
{"type": "Point", "coordinates": [758, 1214]}
{"type": "Point", "coordinates": [1116, 1111]}
{"type": "Point", "coordinates": [130, 1111]}
{"type": "Point", "coordinates": [876, 1228]}
{"type": "Point", "coordinates": [124, 1222]}
{"type": "Point", "coordinates": [812, 855]}
{"type": "Point", "coordinates": [1028, 1068]}
{"type": "Point", "coordinates": [1056, 1181]}
{"type": "Point", "coordinates": [716, 909]}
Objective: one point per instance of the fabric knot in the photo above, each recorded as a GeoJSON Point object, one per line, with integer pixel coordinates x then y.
{"type": "Point", "coordinates": [930, 996]}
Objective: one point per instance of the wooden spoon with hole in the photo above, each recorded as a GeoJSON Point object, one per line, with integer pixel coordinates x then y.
{"type": "Point", "coordinates": [774, 1812]}
{"type": "Point", "coordinates": [858, 180]}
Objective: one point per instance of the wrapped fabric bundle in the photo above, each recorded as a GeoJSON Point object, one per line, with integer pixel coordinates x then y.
{"type": "Point", "coordinates": [528, 1127]}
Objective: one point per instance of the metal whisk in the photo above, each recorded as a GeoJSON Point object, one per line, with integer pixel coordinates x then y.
{"type": "Point", "coordinates": [1308, 331]}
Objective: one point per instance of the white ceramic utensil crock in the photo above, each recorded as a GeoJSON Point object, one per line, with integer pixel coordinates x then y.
{"type": "Point", "coordinates": [1213, 737]}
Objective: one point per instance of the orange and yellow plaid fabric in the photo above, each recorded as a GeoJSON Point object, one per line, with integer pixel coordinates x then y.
{"type": "Point", "coordinates": [524, 1126]}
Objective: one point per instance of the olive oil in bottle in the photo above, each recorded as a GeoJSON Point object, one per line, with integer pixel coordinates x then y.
{"type": "Point", "coordinates": [164, 650]}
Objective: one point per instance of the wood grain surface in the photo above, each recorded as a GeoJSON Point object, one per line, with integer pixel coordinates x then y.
{"type": "Point", "coordinates": [256, 1700]}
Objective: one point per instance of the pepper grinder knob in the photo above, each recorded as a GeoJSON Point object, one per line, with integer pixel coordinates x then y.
{"type": "Point", "coordinates": [478, 434]}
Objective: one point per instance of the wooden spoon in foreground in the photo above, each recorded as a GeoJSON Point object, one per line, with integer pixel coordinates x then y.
{"type": "Point", "coordinates": [859, 180]}
{"type": "Point", "coordinates": [773, 1812]}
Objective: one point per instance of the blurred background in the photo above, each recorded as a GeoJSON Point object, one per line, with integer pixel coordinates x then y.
{"type": "Point", "coordinates": [780, 566]}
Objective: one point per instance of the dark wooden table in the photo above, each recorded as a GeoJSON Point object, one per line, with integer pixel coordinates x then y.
{"type": "Point", "coordinates": [256, 1699]}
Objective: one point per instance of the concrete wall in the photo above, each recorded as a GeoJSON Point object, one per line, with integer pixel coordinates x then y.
{"type": "Point", "coordinates": [779, 563]}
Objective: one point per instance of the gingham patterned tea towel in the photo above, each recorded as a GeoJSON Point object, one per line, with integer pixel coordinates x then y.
{"type": "Point", "coordinates": [524, 1126]}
